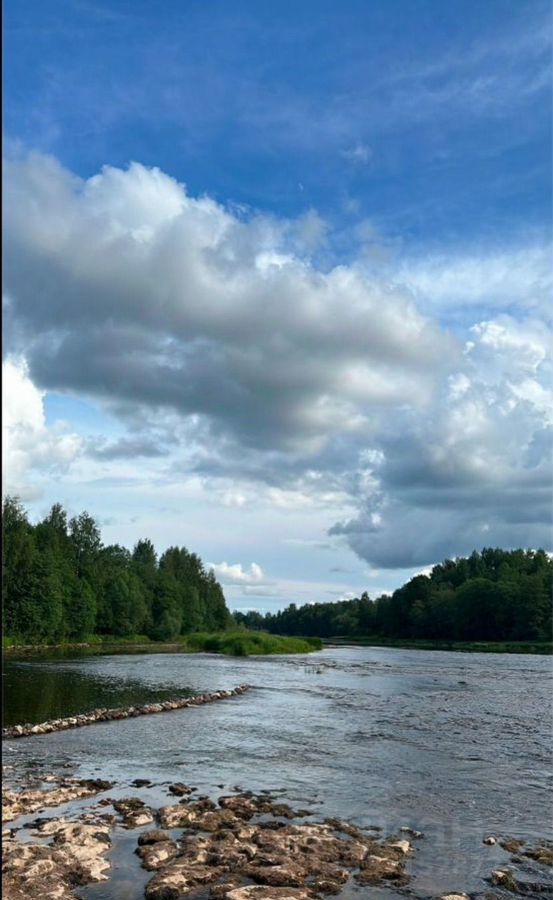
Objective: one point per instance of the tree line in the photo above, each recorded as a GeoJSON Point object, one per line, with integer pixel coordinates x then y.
{"type": "Point", "coordinates": [61, 583]}
{"type": "Point", "coordinates": [492, 595]}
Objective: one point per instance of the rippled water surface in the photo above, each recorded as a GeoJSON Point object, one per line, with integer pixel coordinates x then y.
{"type": "Point", "coordinates": [456, 745]}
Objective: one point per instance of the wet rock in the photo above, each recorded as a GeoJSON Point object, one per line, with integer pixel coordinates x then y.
{"type": "Point", "coordinates": [154, 856]}
{"type": "Point", "coordinates": [412, 831]}
{"type": "Point", "coordinates": [180, 790]}
{"type": "Point", "coordinates": [504, 878]}
{"type": "Point", "coordinates": [128, 804]}
{"type": "Point", "coordinates": [134, 811]}
{"type": "Point", "coordinates": [75, 856]}
{"type": "Point", "coordinates": [141, 782]}
{"type": "Point", "coordinates": [179, 878]}
{"type": "Point", "coordinates": [153, 837]}
{"type": "Point", "coordinates": [314, 858]}
{"type": "Point", "coordinates": [198, 815]}
{"type": "Point", "coordinates": [257, 892]}
{"type": "Point", "coordinates": [403, 846]}
{"type": "Point", "coordinates": [18, 803]}
{"type": "Point", "coordinates": [139, 818]}
{"type": "Point", "coordinates": [512, 845]}
{"type": "Point", "coordinates": [384, 863]}
{"type": "Point", "coordinates": [542, 853]}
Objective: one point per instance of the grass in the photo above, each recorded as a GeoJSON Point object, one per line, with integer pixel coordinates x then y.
{"type": "Point", "coordinates": [238, 642]}
{"type": "Point", "coordinates": [535, 647]}
{"type": "Point", "coordinates": [249, 643]}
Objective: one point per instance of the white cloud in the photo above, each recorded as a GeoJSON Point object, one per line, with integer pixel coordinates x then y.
{"type": "Point", "coordinates": [29, 445]}
{"type": "Point", "coordinates": [233, 359]}
{"type": "Point", "coordinates": [180, 304]}
{"type": "Point", "coordinates": [235, 574]}
{"type": "Point", "coordinates": [517, 277]}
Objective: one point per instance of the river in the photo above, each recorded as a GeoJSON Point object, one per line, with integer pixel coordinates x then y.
{"type": "Point", "coordinates": [456, 745]}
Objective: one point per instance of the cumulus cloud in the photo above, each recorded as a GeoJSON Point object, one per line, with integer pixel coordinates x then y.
{"type": "Point", "coordinates": [28, 444]}
{"type": "Point", "coordinates": [235, 574]}
{"type": "Point", "coordinates": [179, 303]}
{"type": "Point", "coordinates": [212, 334]}
{"type": "Point", "coordinates": [478, 470]}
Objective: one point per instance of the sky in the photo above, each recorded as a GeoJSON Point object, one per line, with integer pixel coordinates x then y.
{"type": "Point", "coordinates": [277, 281]}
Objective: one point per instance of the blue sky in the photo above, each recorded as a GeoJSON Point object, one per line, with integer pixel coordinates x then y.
{"type": "Point", "coordinates": [401, 151]}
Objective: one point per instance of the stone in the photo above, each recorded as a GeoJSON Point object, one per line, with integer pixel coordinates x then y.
{"type": "Point", "coordinates": [179, 878]}
{"type": "Point", "coordinates": [258, 892]}
{"type": "Point", "coordinates": [153, 837]}
{"type": "Point", "coordinates": [153, 856]}
{"type": "Point", "coordinates": [179, 789]}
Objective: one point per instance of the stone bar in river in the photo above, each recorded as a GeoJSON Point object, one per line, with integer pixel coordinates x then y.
{"type": "Point", "coordinates": [109, 715]}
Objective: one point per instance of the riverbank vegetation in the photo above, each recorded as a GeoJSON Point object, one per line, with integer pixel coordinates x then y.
{"type": "Point", "coordinates": [492, 596]}
{"type": "Point", "coordinates": [250, 643]}
{"type": "Point", "coordinates": [61, 584]}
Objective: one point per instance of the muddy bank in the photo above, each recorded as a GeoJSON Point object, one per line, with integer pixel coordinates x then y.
{"type": "Point", "coordinates": [108, 715]}
{"type": "Point", "coordinates": [235, 846]}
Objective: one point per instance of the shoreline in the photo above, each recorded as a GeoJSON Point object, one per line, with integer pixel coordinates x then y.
{"type": "Point", "coordinates": [109, 715]}
{"type": "Point", "coordinates": [533, 648]}
{"type": "Point", "coordinates": [238, 846]}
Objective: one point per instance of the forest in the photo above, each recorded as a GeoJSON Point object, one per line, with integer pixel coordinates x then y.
{"type": "Point", "coordinates": [61, 583]}
{"type": "Point", "coordinates": [493, 595]}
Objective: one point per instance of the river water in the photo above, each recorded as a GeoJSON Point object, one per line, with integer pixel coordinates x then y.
{"type": "Point", "coordinates": [455, 745]}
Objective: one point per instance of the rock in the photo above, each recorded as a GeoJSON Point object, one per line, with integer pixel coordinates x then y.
{"type": "Point", "coordinates": [18, 803]}
{"type": "Point", "coordinates": [277, 855]}
{"type": "Point", "coordinates": [139, 818]}
{"type": "Point", "coordinates": [153, 837]}
{"type": "Point", "coordinates": [454, 897]}
{"type": "Point", "coordinates": [134, 812]}
{"type": "Point", "coordinates": [103, 715]}
{"type": "Point", "coordinates": [490, 840]}
{"type": "Point", "coordinates": [178, 878]}
{"type": "Point", "coordinates": [542, 853]}
{"type": "Point", "coordinates": [179, 789]}
{"type": "Point", "coordinates": [512, 845]}
{"type": "Point", "coordinates": [403, 846]}
{"type": "Point", "coordinates": [257, 892]}
{"type": "Point", "coordinates": [155, 855]}
{"type": "Point", "coordinates": [41, 871]}
{"type": "Point", "coordinates": [283, 875]}
{"type": "Point", "coordinates": [141, 782]}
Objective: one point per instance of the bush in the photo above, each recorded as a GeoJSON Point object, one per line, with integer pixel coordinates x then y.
{"type": "Point", "coordinates": [249, 643]}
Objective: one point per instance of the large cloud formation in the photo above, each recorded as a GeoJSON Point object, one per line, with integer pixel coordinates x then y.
{"type": "Point", "coordinates": [28, 445]}
{"type": "Point", "coordinates": [215, 323]}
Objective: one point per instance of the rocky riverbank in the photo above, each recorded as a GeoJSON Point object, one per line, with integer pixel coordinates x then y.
{"type": "Point", "coordinates": [109, 715]}
{"type": "Point", "coordinates": [236, 846]}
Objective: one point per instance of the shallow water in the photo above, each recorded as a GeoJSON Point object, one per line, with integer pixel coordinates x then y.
{"type": "Point", "coordinates": [455, 745]}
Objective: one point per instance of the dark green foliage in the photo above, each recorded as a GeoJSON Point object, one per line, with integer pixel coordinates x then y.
{"type": "Point", "coordinates": [495, 595]}
{"type": "Point", "coordinates": [250, 643]}
{"type": "Point", "coordinates": [61, 584]}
